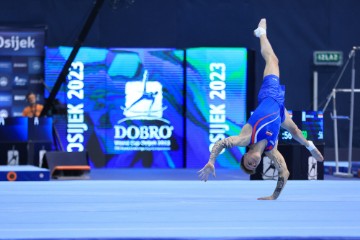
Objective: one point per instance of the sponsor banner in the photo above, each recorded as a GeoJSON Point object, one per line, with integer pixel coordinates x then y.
{"type": "Point", "coordinates": [129, 100]}
{"type": "Point", "coordinates": [148, 118]}
{"type": "Point", "coordinates": [21, 67]}
{"type": "Point", "coordinates": [216, 103]}
{"type": "Point", "coordinates": [21, 42]}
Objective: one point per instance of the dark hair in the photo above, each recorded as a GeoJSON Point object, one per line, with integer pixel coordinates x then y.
{"type": "Point", "coordinates": [242, 166]}
{"type": "Point", "coordinates": [28, 94]}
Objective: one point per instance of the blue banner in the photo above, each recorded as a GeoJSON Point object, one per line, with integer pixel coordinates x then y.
{"type": "Point", "coordinates": [21, 42]}
{"type": "Point", "coordinates": [21, 68]}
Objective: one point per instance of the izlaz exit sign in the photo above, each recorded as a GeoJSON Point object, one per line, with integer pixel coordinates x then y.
{"type": "Point", "coordinates": [328, 58]}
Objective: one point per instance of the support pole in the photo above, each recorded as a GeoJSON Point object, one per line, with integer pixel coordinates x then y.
{"type": "Point", "coordinates": [352, 95]}
{"type": "Point", "coordinates": [65, 70]}
{"type": "Point", "coordinates": [335, 117]}
{"type": "Point", "coordinates": [315, 90]}
{"type": "Point", "coordinates": [336, 144]}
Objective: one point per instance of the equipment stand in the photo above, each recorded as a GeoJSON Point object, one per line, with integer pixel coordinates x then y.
{"type": "Point", "coordinates": [335, 117]}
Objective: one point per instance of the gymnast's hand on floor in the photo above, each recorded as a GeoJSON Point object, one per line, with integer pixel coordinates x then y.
{"type": "Point", "coordinates": [267, 198]}
{"type": "Point", "coordinates": [206, 170]}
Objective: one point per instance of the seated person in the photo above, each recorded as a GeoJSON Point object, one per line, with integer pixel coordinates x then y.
{"type": "Point", "coordinates": [34, 109]}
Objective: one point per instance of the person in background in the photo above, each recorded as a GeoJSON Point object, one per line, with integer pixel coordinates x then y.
{"type": "Point", "coordinates": [33, 109]}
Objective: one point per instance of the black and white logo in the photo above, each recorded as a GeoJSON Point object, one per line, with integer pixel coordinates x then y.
{"type": "Point", "coordinates": [312, 168]}
{"type": "Point", "coordinates": [143, 99]}
{"type": "Point", "coordinates": [143, 128]}
{"type": "Point", "coordinates": [269, 170]}
{"type": "Point", "coordinates": [42, 153]}
{"type": "Point", "coordinates": [4, 81]}
{"type": "Point", "coordinates": [20, 81]}
{"type": "Point", "coordinates": [20, 65]}
{"type": "Point", "coordinates": [19, 97]}
{"type": "Point", "coordinates": [13, 157]}
{"type": "Point", "coordinates": [5, 99]}
{"type": "Point", "coordinates": [36, 81]}
{"type": "Point", "coordinates": [36, 65]}
{"type": "Point", "coordinates": [5, 66]}
{"type": "Point", "coordinates": [3, 114]}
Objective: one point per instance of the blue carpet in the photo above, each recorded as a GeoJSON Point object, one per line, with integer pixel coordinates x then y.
{"type": "Point", "coordinates": [165, 209]}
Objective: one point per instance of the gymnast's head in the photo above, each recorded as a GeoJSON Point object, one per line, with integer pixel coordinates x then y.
{"type": "Point", "coordinates": [250, 161]}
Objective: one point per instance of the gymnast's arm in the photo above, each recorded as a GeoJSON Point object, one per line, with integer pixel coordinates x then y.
{"type": "Point", "coordinates": [284, 174]}
{"type": "Point", "coordinates": [290, 126]}
{"type": "Point", "coordinates": [241, 140]}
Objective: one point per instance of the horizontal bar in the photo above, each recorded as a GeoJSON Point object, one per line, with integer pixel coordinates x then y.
{"type": "Point", "coordinates": [340, 117]}
{"type": "Point", "coordinates": [346, 90]}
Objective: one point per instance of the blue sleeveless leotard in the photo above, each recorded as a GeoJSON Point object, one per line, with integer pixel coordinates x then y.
{"type": "Point", "coordinates": [269, 114]}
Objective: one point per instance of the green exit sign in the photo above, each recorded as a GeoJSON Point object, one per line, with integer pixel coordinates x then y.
{"type": "Point", "coordinates": [329, 58]}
